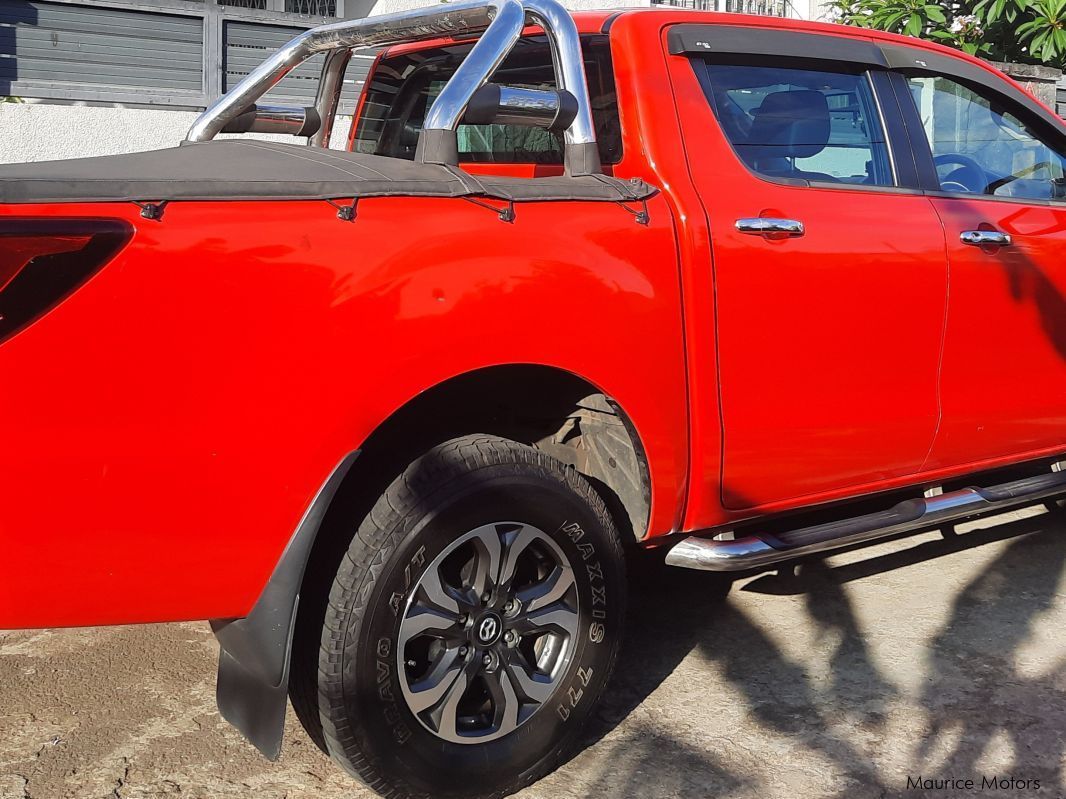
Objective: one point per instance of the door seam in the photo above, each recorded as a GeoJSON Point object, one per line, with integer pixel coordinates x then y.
{"type": "Point", "coordinates": [943, 339]}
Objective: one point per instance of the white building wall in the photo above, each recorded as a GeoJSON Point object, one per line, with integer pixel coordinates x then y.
{"type": "Point", "coordinates": [44, 131]}
{"type": "Point", "coordinates": [819, 11]}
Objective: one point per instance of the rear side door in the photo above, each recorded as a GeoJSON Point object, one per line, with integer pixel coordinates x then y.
{"type": "Point", "coordinates": [996, 175]}
{"type": "Point", "coordinates": [830, 277]}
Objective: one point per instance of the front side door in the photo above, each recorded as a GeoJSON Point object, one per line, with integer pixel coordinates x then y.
{"type": "Point", "coordinates": [829, 274]}
{"type": "Point", "coordinates": [1000, 190]}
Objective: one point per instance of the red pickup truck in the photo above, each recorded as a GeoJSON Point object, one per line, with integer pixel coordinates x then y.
{"type": "Point", "coordinates": [740, 289]}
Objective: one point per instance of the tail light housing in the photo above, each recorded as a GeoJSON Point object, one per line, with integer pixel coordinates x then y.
{"type": "Point", "coordinates": [43, 261]}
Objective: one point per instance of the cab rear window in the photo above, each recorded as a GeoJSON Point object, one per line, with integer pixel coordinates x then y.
{"type": "Point", "coordinates": [403, 88]}
{"type": "Point", "coordinates": [801, 124]}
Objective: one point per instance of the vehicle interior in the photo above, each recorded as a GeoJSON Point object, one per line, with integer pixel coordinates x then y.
{"type": "Point", "coordinates": [404, 86]}
{"type": "Point", "coordinates": [801, 124]}
{"type": "Point", "coordinates": [980, 147]}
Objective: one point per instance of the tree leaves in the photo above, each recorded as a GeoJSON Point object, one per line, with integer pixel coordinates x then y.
{"type": "Point", "coordinates": [936, 14]}
{"type": "Point", "coordinates": [1044, 34]}
{"type": "Point", "coordinates": [1002, 30]}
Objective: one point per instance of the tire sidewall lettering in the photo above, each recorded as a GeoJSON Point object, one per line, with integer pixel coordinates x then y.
{"type": "Point", "coordinates": [387, 695]}
{"type": "Point", "coordinates": [571, 696]}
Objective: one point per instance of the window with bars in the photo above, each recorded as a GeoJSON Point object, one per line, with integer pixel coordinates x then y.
{"type": "Point", "coordinates": [180, 53]}
{"type": "Point", "coordinates": [696, 5]}
{"type": "Point", "coordinates": [321, 8]}
{"type": "Point", "coordinates": [304, 8]}
{"type": "Point", "coordinates": [766, 8]}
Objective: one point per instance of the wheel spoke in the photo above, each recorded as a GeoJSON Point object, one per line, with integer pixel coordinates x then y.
{"type": "Point", "coordinates": [515, 542]}
{"type": "Point", "coordinates": [447, 712]}
{"type": "Point", "coordinates": [442, 678]}
{"type": "Point", "coordinates": [533, 685]}
{"type": "Point", "coordinates": [556, 617]}
{"type": "Point", "coordinates": [487, 562]}
{"type": "Point", "coordinates": [435, 593]}
{"type": "Point", "coordinates": [421, 620]}
{"type": "Point", "coordinates": [506, 707]}
{"type": "Point", "coordinates": [551, 589]}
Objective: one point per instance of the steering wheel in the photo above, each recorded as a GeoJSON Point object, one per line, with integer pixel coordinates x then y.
{"type": "Point", "coordinates": [996, 185]}
{"type": "Point", "coordinates": [970, 177]}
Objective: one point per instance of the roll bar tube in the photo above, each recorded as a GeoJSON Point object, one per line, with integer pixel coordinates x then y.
{"type": "Point", "coordinates": [500, 23]}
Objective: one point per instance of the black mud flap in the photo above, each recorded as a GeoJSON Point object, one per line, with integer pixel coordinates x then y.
{"type": "Point", "coordinates": [253, 661]}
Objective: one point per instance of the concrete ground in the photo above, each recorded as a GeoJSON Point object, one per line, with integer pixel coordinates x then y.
{"type": "Point", "coordinates": [929, 657]}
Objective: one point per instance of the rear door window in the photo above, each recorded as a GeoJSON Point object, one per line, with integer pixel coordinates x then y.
{"type": "Point", "coordinates": [801, 124]}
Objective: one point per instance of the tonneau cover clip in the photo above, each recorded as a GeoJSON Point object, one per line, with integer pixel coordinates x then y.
{"type": "Point", "coordinates": [152, 210]}
{"type": "Point", "coordinates": [346, 213]}
{"type": "Point", "coordinates": [506, 213]}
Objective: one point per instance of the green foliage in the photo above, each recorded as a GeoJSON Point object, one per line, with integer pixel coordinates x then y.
{"type": "Point", "coordinates": [1023, 31]}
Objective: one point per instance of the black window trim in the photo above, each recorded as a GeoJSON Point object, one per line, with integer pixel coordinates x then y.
{"type": "Point", "coordinates": [913, 132]}
{"type": "Point", "coordinates": [897, 137]}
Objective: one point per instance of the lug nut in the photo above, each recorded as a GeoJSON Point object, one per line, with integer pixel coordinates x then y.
{"type": "Point", "coordinates": [486, 597]}
{"type": "Point", "coordinates": [509, 606]}
{"type": "Point", "coordinates": [510, 637]}
{"type": "Point", "coordinates": [462, 651]}
{"type": "Point", "coordinates": [486, 660]}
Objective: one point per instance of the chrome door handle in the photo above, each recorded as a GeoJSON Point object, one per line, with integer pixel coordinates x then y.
{"type": "Point", "coordinates": [976, 238]}
{"type": "Point", "coordinates": [762, 225]}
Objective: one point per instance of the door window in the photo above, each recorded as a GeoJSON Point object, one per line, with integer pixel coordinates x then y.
{"type": "Point", "coordinates": [800, 123]}
{"type": "Point", "coordinates": [981, 147]}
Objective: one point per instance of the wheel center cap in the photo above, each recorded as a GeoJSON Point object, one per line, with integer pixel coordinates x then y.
{"type": "Point", "coordinates": [488, 629]}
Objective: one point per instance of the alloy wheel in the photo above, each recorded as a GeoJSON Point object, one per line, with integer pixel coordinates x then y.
{"type": "Point", "coordinates": [488, 632]}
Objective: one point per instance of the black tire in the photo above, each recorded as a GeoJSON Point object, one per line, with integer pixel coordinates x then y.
{"type": "Point", "coordinates": [474, 482]}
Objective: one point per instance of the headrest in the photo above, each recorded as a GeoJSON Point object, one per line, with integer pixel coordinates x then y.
{"type": "Point", "coordinates": [791, 124]}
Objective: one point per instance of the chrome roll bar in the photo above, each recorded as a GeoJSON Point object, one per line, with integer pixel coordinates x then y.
{"type": "Point", "coordinates": [500, 23]}
{"type": "Point", "coordinates": [565, 43]}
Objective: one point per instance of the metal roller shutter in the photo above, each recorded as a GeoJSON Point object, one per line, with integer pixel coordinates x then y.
{"type": "Point", "coordinates": [247, 45]}
{"type": "Point", "coordinates": [76, 52]}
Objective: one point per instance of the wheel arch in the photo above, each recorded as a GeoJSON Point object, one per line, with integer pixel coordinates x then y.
{"type": "Point", "coordinates": [547, 407]}
{"type": "Point", "coordinates": [553, 409]}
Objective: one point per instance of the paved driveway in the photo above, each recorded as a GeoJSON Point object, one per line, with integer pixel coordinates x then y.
{"type": "Point", "coordinates": [927, 657]}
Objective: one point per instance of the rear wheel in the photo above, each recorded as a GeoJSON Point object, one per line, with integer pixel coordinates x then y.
{"type": "Point", "coordinates": [471, 625]}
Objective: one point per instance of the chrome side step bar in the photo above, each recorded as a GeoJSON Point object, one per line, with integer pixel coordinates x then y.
{"type": "Point", "coordinates": [908, 516]}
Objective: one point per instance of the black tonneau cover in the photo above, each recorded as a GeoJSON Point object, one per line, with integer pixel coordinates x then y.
{"type": "Point", "coordinates": [246, 169]}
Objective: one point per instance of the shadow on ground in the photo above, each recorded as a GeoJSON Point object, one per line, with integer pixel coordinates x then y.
{"type": "Point", "coordinates": [975, 696]}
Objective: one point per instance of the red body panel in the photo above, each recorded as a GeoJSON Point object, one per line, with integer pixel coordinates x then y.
{"type": "Point", "coordinates": [811, 330]}
{"type": "Point", "coordinates": [1004, 383]}
{"type": "Point", "coordinates": [173, 419]}
{"type": "Point", "coordinates": [166, 426]}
